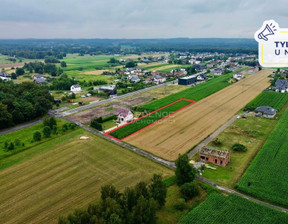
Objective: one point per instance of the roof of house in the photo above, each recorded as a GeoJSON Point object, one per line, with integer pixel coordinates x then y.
{"type": "Point", "coordinates": [4, 74]}
{"type": "Point", "coordinates": [76, 86]}
{"type": "Point", "coordinates": [210, 151]}
{"type": "Point", "coordinates": [123, 111]}
{"type": "Point", "coordinates": [40, 80]}
{"type": "Point", "coordinates": [38, 76]}
{"type": "Point", "coordinates": [134, 77]}
{"type": "Point", "coordinates": [110, 88]}
{"type": "Point", "coordinates": [266, 110]}
{"type": "Point", "coordinates": [158, 77]}
{"type": "Point", "coordinates": [281, 84]}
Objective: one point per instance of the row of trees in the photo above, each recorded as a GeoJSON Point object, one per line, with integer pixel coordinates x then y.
{"type": "Point", "coordinates": [39, 67]}
{"type": "Point", "coordinates": [135, 205]}
{"type": "Point", "coordinates": [23, 102]}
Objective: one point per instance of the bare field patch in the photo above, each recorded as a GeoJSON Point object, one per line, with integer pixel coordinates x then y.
{"type": "Point", "coordinates": [191, 125]}
{"type": "Point", "coordinates": [96, 72]}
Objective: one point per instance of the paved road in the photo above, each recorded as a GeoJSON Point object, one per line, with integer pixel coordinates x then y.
{"type": "Point", "coordinates": [97, 103]}
{"type": "Point", "coordinates": [19, 127]}
{"type": "Point", "coordinates": [207, 140]}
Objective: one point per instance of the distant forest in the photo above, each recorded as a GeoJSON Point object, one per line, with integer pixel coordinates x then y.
{"type": "Point", "coordinates": [39, 49]}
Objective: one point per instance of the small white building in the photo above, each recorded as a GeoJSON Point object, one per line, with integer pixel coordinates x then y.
{"type": "Point", "coordinates": [238, 76]}
{"type": "Point", "coordinates": [5, 79]}
{"type": "Point", "coordinates": [158, 79]}
{"type": "Point", "coordinates": [76, 88]}
{"type": "Point", "coordinates": [124, 115]}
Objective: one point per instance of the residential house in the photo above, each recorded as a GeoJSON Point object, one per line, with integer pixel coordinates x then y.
{"type": "Point", "coordinates": [134, 79]}
{"type": "Point", "coordinates": [124, 115]}
{"type": "Point", "coordinates": [38, 76]}
{"type": "Point", "coordinates": [217, 71]}
{"type": "Point", "coordinates": [110, 90]}
{"type": "Point", "coordinates": [41, 80]}
{"type": "Point", "coordinates": [4, 74]}
{"type": "Point", "coordinates": [5, 79]}
{"type": "Point", "coordinates": [215, 156]}
{"type": "Point", "coordinates": [201, 77]}
{"type": "Point", "coordinates": [158, 79]}
{"type": "Point", "coordinates": [238, 76]}
{"type": "Point", "coordinates": [199, 67]}
{"type": "Point", "coordinates": [265, 111]}
{"type": "Point", "coordinates": [281, 85]}
{"type": "Point", "coordinates": [76, 88]}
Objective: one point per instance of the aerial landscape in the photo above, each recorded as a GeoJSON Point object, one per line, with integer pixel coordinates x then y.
{"type": "Point", "coordinates": [114, 112]}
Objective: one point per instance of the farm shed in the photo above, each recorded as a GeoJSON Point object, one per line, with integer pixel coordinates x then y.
{"type": "Point", "coordinates": [215, 156]}
{"type": "Point", "coordinates": [265, 111]}
{"type": "Point", "coordinates": [187, 80]}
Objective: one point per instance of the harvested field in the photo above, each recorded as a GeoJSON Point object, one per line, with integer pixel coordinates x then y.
{"type": "Point", "coordinates": [68, 174]}
{"type": "Point", "coordinates": [96, 72]}
{"type": "Point", "coordinates": [191, 125]}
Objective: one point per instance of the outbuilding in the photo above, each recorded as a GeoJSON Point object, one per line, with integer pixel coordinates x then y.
{"type": "Point", "coordinates": [188, 80]}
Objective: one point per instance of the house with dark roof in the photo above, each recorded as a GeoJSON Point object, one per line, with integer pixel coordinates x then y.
{"type": "Point", "coordinates": [265, 111]}
{"type": "Point", "coordinates": [38, 76]}
{"type": "Point", "coordinates": [40, 81]}
{"type": "Point", "coordinates": [134, 79]}
{"type": "Point", "coordinates": [124, 115]}
{"type": "Point", "coordinates": [110, 90]}
{"type": "Point", "coordinates": [215, 156]}
{"type": "Point", "coordinates": [4, 74]}
{"type": "Point", "coordinates": [281, 86]}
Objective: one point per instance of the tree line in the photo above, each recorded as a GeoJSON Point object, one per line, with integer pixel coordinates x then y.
{"type": "Point", "coordinates": [23, 102]}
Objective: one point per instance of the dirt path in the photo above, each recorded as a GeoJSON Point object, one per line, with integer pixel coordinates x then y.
{"type": "Point", "coordinates": [190, 126]}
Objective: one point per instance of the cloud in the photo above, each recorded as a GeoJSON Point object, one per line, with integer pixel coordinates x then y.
{"type": "Point", "coordinates": [137, 19]}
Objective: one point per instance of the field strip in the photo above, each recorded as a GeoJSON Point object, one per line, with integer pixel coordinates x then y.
{"type": "Point", "coordinates": [158, 117]}
{"type": "Point", "coordinates": [190, 126]}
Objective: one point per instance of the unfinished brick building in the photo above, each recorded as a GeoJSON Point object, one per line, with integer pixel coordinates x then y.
{"type": "Point", "coordinates": [215, 156]}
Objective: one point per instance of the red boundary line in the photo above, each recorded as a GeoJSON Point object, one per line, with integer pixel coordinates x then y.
{"type": "Point", "coordinates": [181, 99]}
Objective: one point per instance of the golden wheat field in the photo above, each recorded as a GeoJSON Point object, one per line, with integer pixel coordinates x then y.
{"type": "Point", "coordinates": [68, 175]}
{"type": "Point", "coordinates": [187, 128]}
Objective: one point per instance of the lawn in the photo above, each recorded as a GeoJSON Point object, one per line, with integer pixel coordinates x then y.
{"type": "Point", "coordinates": [251, 132]}
{"type": "Point", "coordinates": [269, 98]}
{"type": "Point", "coordinates": [266, 178]}
{"type": "Point", "coordinates": [26, 138]}
{"type": "Point", "coordinates": [169, 214]}
{"type": "Point", "coordinates": [220, 209]}
{"type": "Point", "coordinates": [55, 177]}
{"type": "Point", "coordinates": [148, 119]}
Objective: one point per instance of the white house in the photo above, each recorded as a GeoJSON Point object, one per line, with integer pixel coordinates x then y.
{"type": "Point", "coordinates": [6, 79]}
{"type": "Point", "coordinates": [124, 115]}
{"type": "Point", "coordinates": [76, 88]}
{"type": "Point", "coordinates": [238, 76]}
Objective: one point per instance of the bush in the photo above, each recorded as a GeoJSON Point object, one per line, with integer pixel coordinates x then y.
{"type": "Point", "coordinates": [96, 125]}
{"type": "Point", "coordinates": [54, 130]}
{"type": "Point", "coordinates": [189, 190]}
{"type": "Point", "coordinates": [37, 136]}
{"type": "Point", "coordinates": [11, 146]}
{"type": "Point", "coordinates": [17, 141]}
{"type": "Point", "coordinates": [50, 122]}
{"type": "Point", "coordinates": [72, 126]}
{"type": "Point", "coordinates": [180, 204]}
{"type": "Point", "coordinates": [64, 127]}
{"type": "Point", "coordinates": [216, 142]}
{"type": "Point", "coordinates": [239, 147]}
{"type": "Point", "coordinates": [46, 132]}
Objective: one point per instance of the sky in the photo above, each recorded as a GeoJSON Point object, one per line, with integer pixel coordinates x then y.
{"type": "Point", "coordinates": [137, 18]}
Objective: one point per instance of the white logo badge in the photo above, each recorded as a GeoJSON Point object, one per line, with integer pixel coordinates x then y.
{"type": "Point", "coordinates": [272, 45]}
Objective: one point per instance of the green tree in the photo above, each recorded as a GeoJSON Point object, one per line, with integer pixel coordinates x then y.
{"type": "Point", "coordinates": [130, 64]}
{"type": "Point", "coordinates": [20, 71]}
{"type": "Point", "coordinates": [184, 171]}
{"type": "Point", "coordinates": [65, 127]}
{"type": "Point", "coordinates": [63, 64]}
{"type": "Point", "coordinates": [189, 190]}
{"type": "Point", "coordinates": [37, 136]}
{"type": "Point", "coordinates": [46, 132]}
{"type": "Point", "coordinates": [17, 142]}
{"type": "Point", "coordinates": [239, 147]}
{"type": "Point", "coordinates": [50, 122]}
{"type": "Point", "coordinates": [6, 119]}
{"type": "Point", "coordinates": [144, 211]}
{"type": "Point", "coordinates": [109, 191]}
{"type": "Point", "coordinates": [13, 75]}
{"type": "Point", "coordinates": [158, 189]}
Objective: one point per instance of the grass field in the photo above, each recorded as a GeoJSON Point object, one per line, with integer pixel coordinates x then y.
{"type": "Point", "coordinates": [267, 176]}
{"type": "Point", "coordinates": [61, 175]}
{"type": "Point", "coordinates": [196, 93]}
{"type": "Point", "coordinates": [148, 119]}
{"type": "Point", "coordinates": [26, 136]}
{"type": "Point", "coordinates": [251, 132]}
{"type": "Point", "coordinates": [220, 209]}
{"type": "Point", "coordinates": [269, 98]}
{"type": "Point", "coordinates": [191, 125]}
